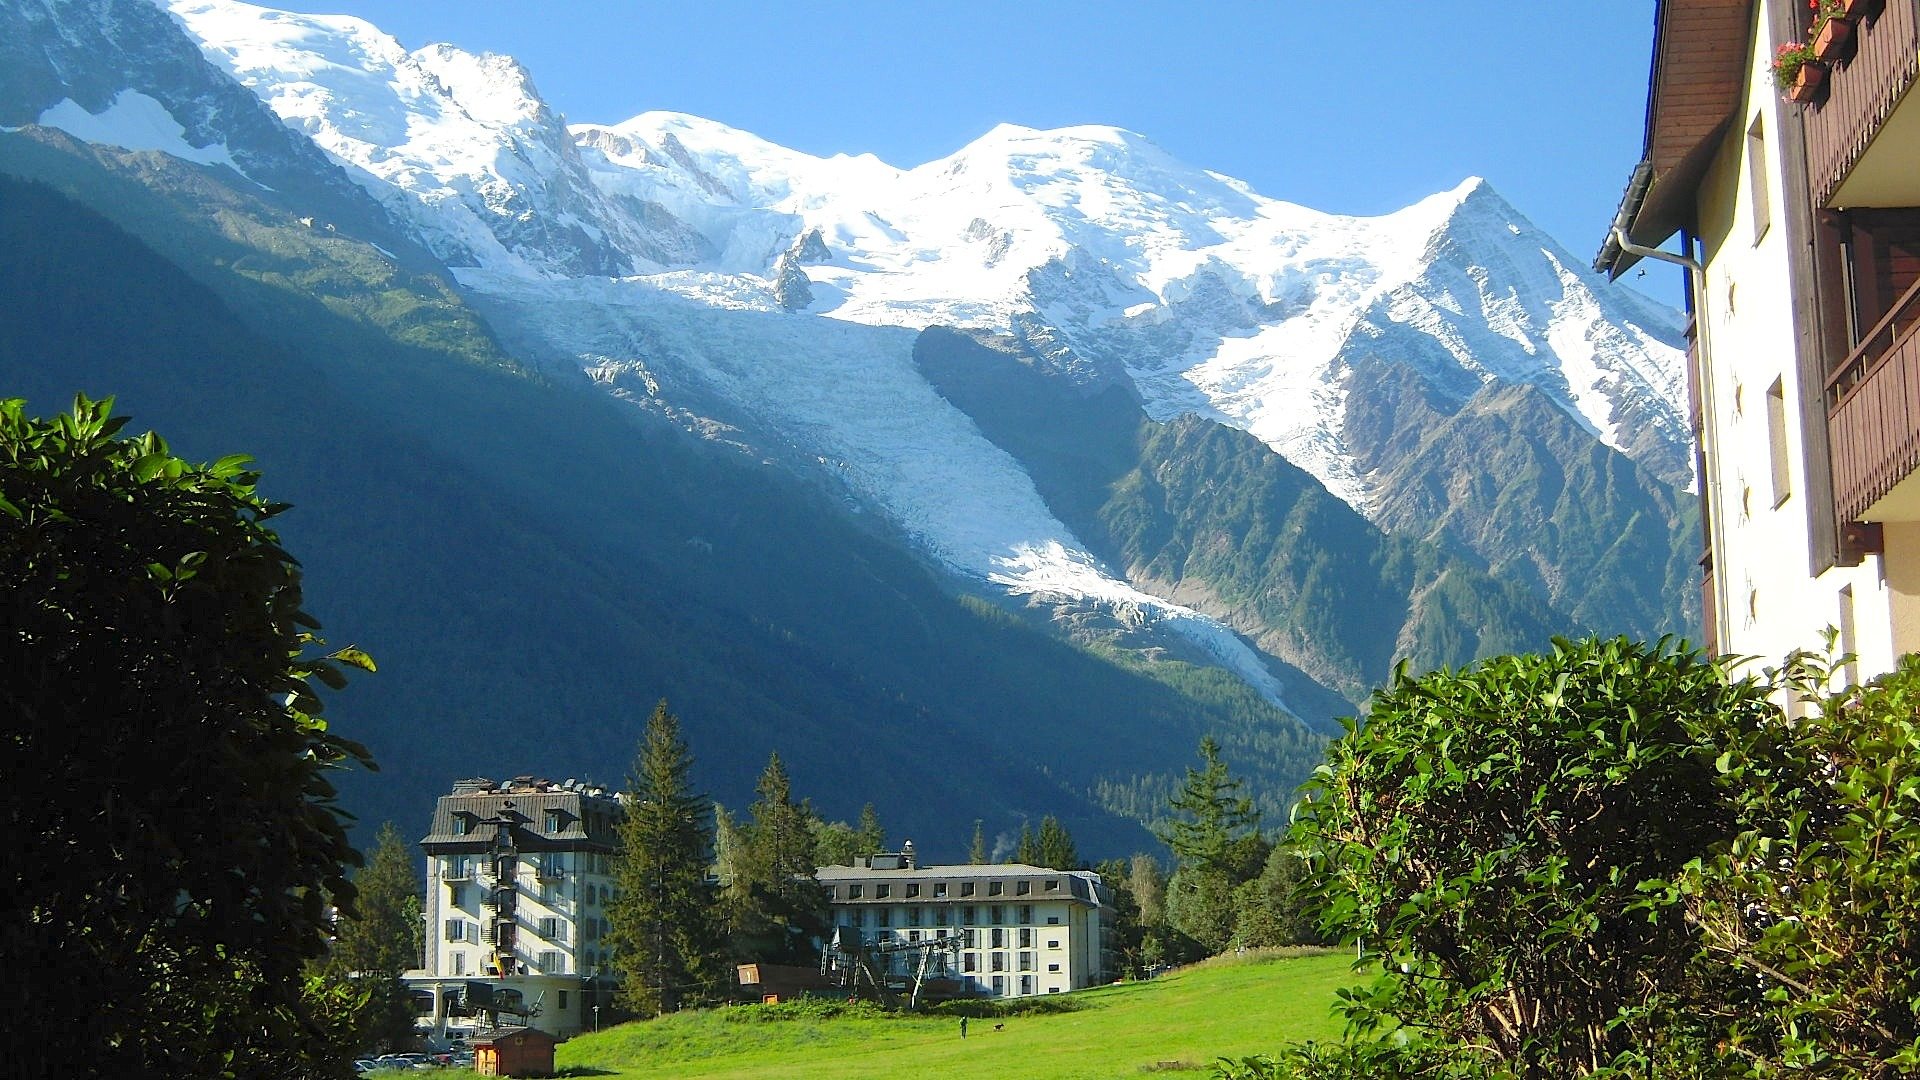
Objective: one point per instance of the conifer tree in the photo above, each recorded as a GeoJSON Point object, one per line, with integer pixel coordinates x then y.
{"type": "Point", "coordinates": [1026, 851]}
{"type": "Point", "coordinates": [775, 904]}
{"type": "Point", "coordinates": [1216, 815]}
{"type": "Point", "coordinates": [1215, 835]}
{"type": "Point", "coordinates": [665, 940]}
{"type": "Point", "coordinates": [872, 837]}
{"type": "Point", "coordinates": [377, 942]}
{"type": "Point", "coordinates": [383, 935]}
{"type": "Point", "coordinates": [977, 854]}
{"type": "Point", "coordinates": [1054, 846]}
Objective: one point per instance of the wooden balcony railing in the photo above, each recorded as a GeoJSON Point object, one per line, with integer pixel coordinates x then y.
{"type": "Point", "coordinates": [1873, 411]}
{"type": "Point", "coordinates": [1862, 92]}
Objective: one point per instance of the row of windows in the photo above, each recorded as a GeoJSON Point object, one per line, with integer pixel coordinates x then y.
{"type": "Point", "coordinates": [1026, 986]}
{"type": "Point", "coordinates": [548, 962]}
{"type": "Point", "coordinates": [937, 916]}
{"type": "Point", "coordinates": [550, 928]}
{"type": "Point", "coordinates": [970, 961]}
{"type": "Point", "coordinates": [884, 889]}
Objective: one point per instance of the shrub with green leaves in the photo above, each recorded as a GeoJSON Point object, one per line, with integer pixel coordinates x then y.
{"type": "Point", "coordinates": [1486, 835]}
{"type": "Point", "coordinates": [1816, 907]}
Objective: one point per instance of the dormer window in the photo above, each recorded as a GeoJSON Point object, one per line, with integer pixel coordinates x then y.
{"type": "Point", "coordinates": [463, 822]}
{"type": "Point", "coordinates": [555, 822]}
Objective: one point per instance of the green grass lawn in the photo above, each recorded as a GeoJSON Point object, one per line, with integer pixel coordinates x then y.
{"type": "Point", "coordinates": [1228, 1007]}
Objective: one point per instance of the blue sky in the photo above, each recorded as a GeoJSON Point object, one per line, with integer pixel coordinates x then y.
{"type": "Point", "coordinates": [1357, 108]}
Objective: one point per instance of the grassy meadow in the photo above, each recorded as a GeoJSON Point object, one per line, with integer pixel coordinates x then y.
{"type": "Point", "coordinates": [1231, 1006]}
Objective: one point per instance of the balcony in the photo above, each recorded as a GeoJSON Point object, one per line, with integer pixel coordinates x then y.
{"type": "Point", "coordinates": [1873, 420]}
{"type": "Point", "coordinates": [1862, 140]}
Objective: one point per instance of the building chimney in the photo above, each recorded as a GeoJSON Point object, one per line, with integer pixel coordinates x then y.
{"type": "Point", "coordinates": [908, 857]}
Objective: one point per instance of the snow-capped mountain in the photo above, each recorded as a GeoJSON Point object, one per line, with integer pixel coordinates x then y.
{"type": "Point", "coordinates": [1210, 297]}
{"type": "Point", "coordinates": [739, 287]}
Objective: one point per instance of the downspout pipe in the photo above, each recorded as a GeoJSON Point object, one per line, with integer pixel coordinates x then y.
{"type": "Point", "coordinates": [1631, 248]}
{"type": "Point", "coordinates": [1697, 279]}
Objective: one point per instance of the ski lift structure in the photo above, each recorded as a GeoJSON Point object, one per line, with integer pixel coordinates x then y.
{"type": "Point", "coordinates": [851, 963]}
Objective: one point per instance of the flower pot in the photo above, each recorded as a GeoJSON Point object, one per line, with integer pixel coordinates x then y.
{"type": "Point", "coordinates": [1809, 83]}
{"type": "Point", "coordinates": [1834, 39]}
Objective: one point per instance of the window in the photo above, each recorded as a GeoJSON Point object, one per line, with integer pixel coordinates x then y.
{"type": "Point", "coordinates": [999, 914]}
{"type": "Point", "coordinates": [940, 916]}
{"type": "Point", "coordinates": [970, 961]}
{"type": "Point", "coordinates": [999, 985]}
{"type": "Point", "coordinates": [1022, 888]}
{"type": "Point", "coordinates": [999, 962]}
{"type": "Point", "coordinates": [1053, 884]}
{"type": "Point", "coordinates": [1777, 440]}
{"type": "Point", "coordinates": [459, 963]}
{"type": "Point", "coordinates": [1053, 989]}
{"type": "Point", "coordinates": [1026, 961]}
{"type": "Point", "coordinates": [1053, 967]}
{"type": "Point", "coordinates": [971, 938]}
{"type": "Point", "coordinates": [1053, 920]}
{"type": "Point", "coordinates": [881, 892]}
{"type": "Point", "coordinates": [553, 822]}
{"type": "Point", "coordinates": [999, 938]}
{"type": "Point", "coordinates": [883, 917]}
{"type": "Point", "coordinates": [969, 914]}
{"type": "Point", "coordinates": [1026, 984]}
{"type": "Point", "coordinates": [995, 888]}
{"type": "Point", "coordinates": [462, 823]}
{"type": "Point", "coordinates": [854, 892]}
{"type": "Point", "coordinates": [939, 890]}
{"type": "Point", "coordinates": [551, 964]}
{"type": "Point", "coordinates": [553, 929]}
{"type": "Point", "coordinates": [1053, 943]}
{"type": "Point", "coordinates": [966, 888]}
{"type": "Point", "coordinates": [913, 935]}
{"type": "Point", "coordinates": [456, 930]}
{"type": "Point", "coordinates": [913, 890]}
{"type": "Point", "coordinates": [1026, 938]}
{"type": "Point", "coordinates": [563, 1001]}
{"type": "Point", "coordinates": [913, 916]}
{"type": "Point", "coordinates": [1026, 913]}
{"type": "Point", "coordinates": [1757, 177]}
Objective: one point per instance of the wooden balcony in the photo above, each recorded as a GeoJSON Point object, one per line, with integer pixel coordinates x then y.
{"type": "Point", "coordinates": [1873, 419]}
{"type": "Point", "coordinates": [1863, 93]}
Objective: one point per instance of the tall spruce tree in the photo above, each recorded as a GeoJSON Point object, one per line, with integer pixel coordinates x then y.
{"type": "Point", "coordinates": [383, 934]}
{"type": "Point", "coordinates": [1214, 816]}
{"type": "Point", "coordinates": [1054, 845]}
{"type": "Point", "coordinates": [872, 837]}
{"type": "Point", "coordinates": [776, 907]}
{"type": "Point", "coordinates": [376, 943]}
{"type": "Point", "coordinates": [1026, 851]}
{"type": "Point", "coordinates": [1215, 835]}
{"type": "Point", "coordinates": [977, 853]}
{"type": "Point", "coordinates": [665, 940]}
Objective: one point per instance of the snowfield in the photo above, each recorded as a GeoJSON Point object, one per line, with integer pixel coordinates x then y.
{"type": "Point", "coordinates": [672, 255]}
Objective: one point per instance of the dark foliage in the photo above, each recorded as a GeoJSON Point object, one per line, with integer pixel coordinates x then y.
{"type": "Point", "coordinates": [173, 841]}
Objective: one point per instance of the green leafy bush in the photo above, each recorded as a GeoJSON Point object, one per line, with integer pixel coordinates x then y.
{"type": "Point", "coordinates": [1489, 836]}
{"type": "Point", "coordinates": [1816, 906]}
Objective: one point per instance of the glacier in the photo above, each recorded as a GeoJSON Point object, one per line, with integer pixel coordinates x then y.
{"type": "Point", "coordinates": [655, 256]}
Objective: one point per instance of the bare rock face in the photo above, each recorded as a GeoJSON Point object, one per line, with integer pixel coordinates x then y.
{"type": "Point", "coordinates": [791, 288]}
{"type": "Point", "coordinates": [810, 247]}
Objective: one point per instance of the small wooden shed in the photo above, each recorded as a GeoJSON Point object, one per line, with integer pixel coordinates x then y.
{"type": "Point", "coordinates": [514, 1051]}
